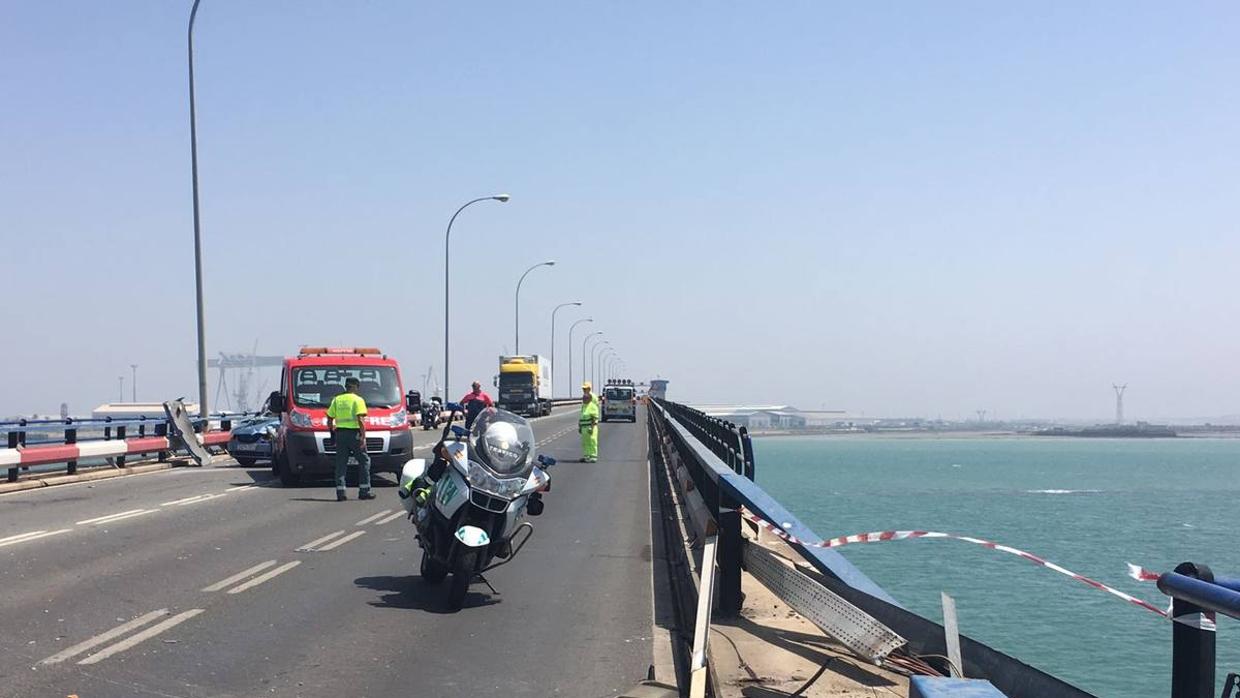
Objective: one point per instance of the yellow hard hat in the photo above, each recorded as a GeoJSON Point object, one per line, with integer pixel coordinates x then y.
{"type": "Point", "coordinates": [586, 386]}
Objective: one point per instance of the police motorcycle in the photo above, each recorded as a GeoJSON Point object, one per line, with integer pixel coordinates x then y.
{"type": "Point", "coordinates": [469, 504]}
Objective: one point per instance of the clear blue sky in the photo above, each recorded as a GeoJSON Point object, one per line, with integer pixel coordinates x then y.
{"type": "Point", "coordinates": [917, 208]}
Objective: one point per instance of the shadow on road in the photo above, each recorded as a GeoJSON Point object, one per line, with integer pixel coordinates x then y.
{"type": "Point", "coordinates": [411, 593]}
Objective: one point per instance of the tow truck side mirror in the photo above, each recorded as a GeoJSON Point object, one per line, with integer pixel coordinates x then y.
{"type": "Point", "coordinates": [275, 403]}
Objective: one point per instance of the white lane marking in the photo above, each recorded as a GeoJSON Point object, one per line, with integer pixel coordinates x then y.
{"type": "Point", "coordinates": [116, 517]}
{"type": "Point", "coordinates": [104, 637]}
{"type": "Point", "coordinates": [393, 517]}
{"type": "Point", "coordinates": [340, 541]}
{"type": "Point", "coordinates": [141, 637]}
{"type": "Point", "coordinates": [33, 535]}
{"type": "Point", "coordinates": [191, 500]}
{"type": "Point", "coordinates": [241, 488]}
{"type": "Point", "coordinates": [239, 576]}
{"type": "Point", "coordinates": [372, 517]}
{"type": "Point", "coordinates": [264, 577]}
{"type": "Point", "coordinates": [324, 539]}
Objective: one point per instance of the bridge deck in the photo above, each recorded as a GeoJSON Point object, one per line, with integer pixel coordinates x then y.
{"type": "Point", "coordinates": [353, 618]}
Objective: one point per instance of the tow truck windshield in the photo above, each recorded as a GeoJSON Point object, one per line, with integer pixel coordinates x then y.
{"type": "Point", "coordinates": [316, 386]}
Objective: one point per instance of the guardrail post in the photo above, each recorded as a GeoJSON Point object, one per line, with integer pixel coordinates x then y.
{"type": "Point", "coordinates": [161, 429]}
{"type": "Point", "coordinates": [71, 438]}
{"type": "Point", "coordinates": [1192, 644]}
{"type": "Point", "coordinates": [120, 434]}
{"type": "Point", "coordinates": [747, 453]}
{"type": "Point", "coordinates": [730, 542]}
{"type": "Point", "coordinates": [13, 441]}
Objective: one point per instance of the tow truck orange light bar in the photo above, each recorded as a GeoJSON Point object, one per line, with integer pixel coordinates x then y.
{"type": "Point", "coordinates": [354, 351]}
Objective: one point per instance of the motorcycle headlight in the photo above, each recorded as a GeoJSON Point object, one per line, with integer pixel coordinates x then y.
{"type": "Point", "coordinates": [398, 418]}
{"type": "Point", "coordinates": [300, 419]}
{"type": "Point", "coordinates": [481, 479]}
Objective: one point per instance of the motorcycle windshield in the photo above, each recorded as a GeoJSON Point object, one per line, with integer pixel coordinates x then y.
{"type": "Point", "coordinates": [503, 443]}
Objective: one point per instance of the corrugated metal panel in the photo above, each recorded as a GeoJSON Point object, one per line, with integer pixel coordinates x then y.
{"type": "Point", "coordinates": [836, 617]}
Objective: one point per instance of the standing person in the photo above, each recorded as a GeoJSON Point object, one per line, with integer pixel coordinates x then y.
{"type": "Point", "coordinates": [474, 403]}
{"type": "Point", "coordinates": [346, 420]}
{"type": "Point", "coordinates": [587, 424]}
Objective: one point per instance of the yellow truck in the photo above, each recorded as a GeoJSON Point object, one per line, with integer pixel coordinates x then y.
{"type": "Point", "coordinates": [524, 385]}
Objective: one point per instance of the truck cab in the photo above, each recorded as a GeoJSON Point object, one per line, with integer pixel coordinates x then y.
{"type": "Point", "coordinates": [304, 448]}
{"type": "Point", "coordinates": [524, 385]}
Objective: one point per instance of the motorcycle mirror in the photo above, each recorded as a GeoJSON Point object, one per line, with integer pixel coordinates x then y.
{"type": "Point", "coordinates": [546, 461]}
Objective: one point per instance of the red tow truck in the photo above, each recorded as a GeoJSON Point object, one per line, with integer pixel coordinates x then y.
{"type": "Point", "coordinates": [304, 448]}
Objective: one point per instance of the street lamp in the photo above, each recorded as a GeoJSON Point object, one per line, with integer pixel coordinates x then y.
{"type": "Point", "coordinates": [502, 198]}
{"type": "Point", "coordinates": [570, 344]}
{"type": "Point", "coordinates": [516, 339]}
{"type": "Point", "coordinates": [596, 349]}
{"type": "Point", "coordinates": [193, 158]}
{"type": "Point", "coordinates": [570, 353]}
{"type": "Point", "coordinates": [605, 365]}
{"type": "Point", "coordinates": [583, 353]}
{"type": "Point", "coordinates": [120, 380]}
{"type": "Point", "coordinates": [134, 383]}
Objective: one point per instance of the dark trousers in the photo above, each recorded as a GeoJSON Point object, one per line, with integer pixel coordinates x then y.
{"type": "Point", "coordinates": [349, 444]}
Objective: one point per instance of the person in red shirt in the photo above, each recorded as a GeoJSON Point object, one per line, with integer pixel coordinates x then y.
{"type": "Point", "coordinates": [474, 403]}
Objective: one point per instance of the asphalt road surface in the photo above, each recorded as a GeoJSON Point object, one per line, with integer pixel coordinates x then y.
{"type": "Point", "coordinates": [218, 582]}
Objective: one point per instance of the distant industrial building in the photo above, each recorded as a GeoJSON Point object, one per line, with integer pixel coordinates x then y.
{"type": "Point", "coordinates": [779, 417]}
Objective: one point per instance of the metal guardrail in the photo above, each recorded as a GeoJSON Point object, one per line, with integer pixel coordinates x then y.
{"type": "Point", "coordinates": [106, 437]}
{"type": "Point", "coordinates": [725, 489]}
{"type": "Point", "coordinates": [1197, 596]}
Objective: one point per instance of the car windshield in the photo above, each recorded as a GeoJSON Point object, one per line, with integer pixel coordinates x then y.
{"type": "Point", "coordinates": [516, 380]}
{"type": "Point", "coordinates": [316, 386]}
{"type": "Point", "coordinates": [618, 394]}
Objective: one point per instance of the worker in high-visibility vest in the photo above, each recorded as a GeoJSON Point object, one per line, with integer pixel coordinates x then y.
{"type": "Point", "coordinates": [346, 420]}
{"type": "Point", "coordinates": [587, 424]}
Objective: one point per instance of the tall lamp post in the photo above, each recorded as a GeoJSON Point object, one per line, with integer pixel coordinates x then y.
{"type": "Point", "coordinates": [584, 354]}
{"type": "Point", "coordinates": [193, 159]}
{"type": "Point", "coordinates": [133, 384]}
{"type": "Point", "coordinates": [570, 344]}
{"type": "Point", "coordinates": [120, 380]}
{"type": "Point", "coordinates": [594, 351]}
{"type": "Point", "coordinates": [570, 353]}
{"type": "Point", "coordinates": [516, 338]}
{"type": "Point", "coordinates": [447, 237]}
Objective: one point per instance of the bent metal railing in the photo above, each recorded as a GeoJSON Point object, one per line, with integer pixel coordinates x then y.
{"type": "Point", "coordinates": [714, 454]}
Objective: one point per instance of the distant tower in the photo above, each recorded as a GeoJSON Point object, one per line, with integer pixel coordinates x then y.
{"type": "Point", "coordinates": [64, 410]}
{"type": "Point", "coordinates": [981, 415]}
{"type": "Point", "coordinates": [1119, 402]}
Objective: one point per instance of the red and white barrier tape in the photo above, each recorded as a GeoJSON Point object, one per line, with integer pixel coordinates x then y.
{"type": "Point", "coordinates": [1207, 620]}
{"type": "Point", "coordinates": [882, 536]}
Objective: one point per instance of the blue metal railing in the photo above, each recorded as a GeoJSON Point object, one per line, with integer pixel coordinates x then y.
{"type": "Point", "coordinates": [1196, 596]}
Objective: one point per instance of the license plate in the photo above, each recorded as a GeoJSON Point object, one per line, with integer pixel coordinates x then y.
{"type": "Point", "coordinates": [246, 447]}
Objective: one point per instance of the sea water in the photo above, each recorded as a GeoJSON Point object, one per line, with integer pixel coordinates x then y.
{"type": "Point", "coordinates": [1090, 505]}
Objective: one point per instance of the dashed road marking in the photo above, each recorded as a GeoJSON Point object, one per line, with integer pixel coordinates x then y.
{"type": "Point", "coordinates": [147, 634]}
{"type": "Point", "coordinates": [32, 535]}
{"type": "Point", "coordinates": [317, 541]}
{"type": "Point", "coordinates": [239, 576]}
{"type": "Point", "coordinates": [116, 517]}
{"type": "Point", "coordinates": [104, 637]}
{"type": "Point", "coordinates": [340, 541]}
{"type": "Point", "coordinates": [372, 517]}
{"type": "Point", "coordinates": [264, 577]}
{"type": "Point", "coordinates": [191, 500]}
{"type": "Point", "coordinates": [393, 517]}
{"type": "Point", "coordinates": [241, 488]}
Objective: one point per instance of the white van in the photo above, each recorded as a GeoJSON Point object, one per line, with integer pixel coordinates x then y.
{"type": "Point", "coordinates": [619, 402]}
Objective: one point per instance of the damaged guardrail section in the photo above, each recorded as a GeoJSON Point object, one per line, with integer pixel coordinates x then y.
{"type": "Point", "coordinates": [716, 465]}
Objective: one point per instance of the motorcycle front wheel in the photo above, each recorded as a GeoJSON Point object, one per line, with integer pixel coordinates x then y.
{"type": "Point", "coordinates": [462, 575]}
{"type": "Point", "coordinates": [433, 571]}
